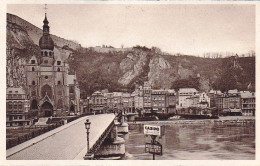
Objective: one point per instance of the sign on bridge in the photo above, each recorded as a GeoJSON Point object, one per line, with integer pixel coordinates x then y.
{"type": "Point", "coordinates": [152, 130]}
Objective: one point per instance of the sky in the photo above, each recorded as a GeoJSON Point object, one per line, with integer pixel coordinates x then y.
{"type": "Point", "coordinates": [174, 28]}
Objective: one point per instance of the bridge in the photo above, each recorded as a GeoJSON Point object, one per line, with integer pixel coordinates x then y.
{"type": "Point", "coordinates": [68, 142]}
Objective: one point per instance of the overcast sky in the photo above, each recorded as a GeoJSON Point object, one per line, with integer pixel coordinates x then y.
{"type": "Point", "coordinates": [188, 29]}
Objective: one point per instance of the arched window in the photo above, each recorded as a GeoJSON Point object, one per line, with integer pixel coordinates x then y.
{"type": "Point", "coordinates": [46, 54]}
{"type": "Point", "coordinates": [32, 68]}
{"type": "Point", "coordinates": [46, 89]}
{"type": "Point", "coordinates": [58, 70]}
{"type": "Point", "coordinates": [33, 82]}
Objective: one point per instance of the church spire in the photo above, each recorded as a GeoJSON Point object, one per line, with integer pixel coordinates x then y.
{"type": "Point", "coordinates": [46, 28]}
{"type": "Point", "coordinates": [46, 42]}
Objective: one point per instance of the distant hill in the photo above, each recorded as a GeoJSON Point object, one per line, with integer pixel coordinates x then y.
{"type": "Point", "coordinates": [122, 69]}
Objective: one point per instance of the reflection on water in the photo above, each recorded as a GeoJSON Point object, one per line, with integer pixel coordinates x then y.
{"type": "Point", "coordinates": [193, 142]}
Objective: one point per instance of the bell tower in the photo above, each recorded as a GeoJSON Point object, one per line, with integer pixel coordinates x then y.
{"type": "Point", "coordinates": [46, 44]}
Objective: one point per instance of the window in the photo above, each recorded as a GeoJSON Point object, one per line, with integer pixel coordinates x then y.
{"type": "Point", "coordinates": [15, 117]}
{"type": "Point", "coordinates": [10, 106]}
{"type": "Point", "coordinates": [10, 91]}
{"type": "Point", "coordinates": [50, 54]}
{"type": "Point", "coordinates": [71, 90]}
{"type": "Point", "coordinates": [15, 105]}
{"type": "Point", "coordinates": [33, 61]}
{"type": "Point", "coordinates": [45, 53]}
{"type": "Point", "coordinates": [46, 77]}
{"type": "Point", "coordinates": [58, 70]}
{"type": "Point", "coordinates": [20, 106]}
{"type": "Point", "coordinates": [20, 117]}
{"type": "Point", "coordinates": [58, 62]}
{"type": "Point", "coordinates": [33, 82]}
{"type": "Point", "coordinates": [32, 68]}
{"type": "Point", "coordinates": [58, 82]}
{"type": "Point", "coordinates": [42, 53]}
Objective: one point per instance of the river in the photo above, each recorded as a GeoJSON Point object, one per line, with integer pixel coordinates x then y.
{"type": "Point", "coordinates": [194, 142]}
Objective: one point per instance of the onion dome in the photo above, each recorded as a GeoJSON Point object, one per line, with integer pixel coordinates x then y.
{"type": "Point", "coordinates": [46, 41]}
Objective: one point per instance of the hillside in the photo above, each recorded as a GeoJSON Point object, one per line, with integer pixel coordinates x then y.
{"type": "Point", "coordinates": [122, 70]}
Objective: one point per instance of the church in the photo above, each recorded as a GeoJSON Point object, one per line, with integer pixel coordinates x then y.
{"type": "Point", "coordinates": [52, 90]}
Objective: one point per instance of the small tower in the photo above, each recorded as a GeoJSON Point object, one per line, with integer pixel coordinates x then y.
{"type": "Point", "coordinates": [46, 45]}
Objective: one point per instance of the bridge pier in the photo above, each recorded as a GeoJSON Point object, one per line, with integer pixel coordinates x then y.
{"type": "Point", "coordinates": [122, 126]}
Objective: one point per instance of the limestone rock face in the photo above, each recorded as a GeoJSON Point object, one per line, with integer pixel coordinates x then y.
{"type": "Point", "coordinates": [161, 73]}
{"type": "Point", "coordinates": [132, 66]}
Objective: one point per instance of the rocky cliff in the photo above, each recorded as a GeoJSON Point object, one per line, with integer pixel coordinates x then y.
{"type": "Point", "coordinates": [122, 70]}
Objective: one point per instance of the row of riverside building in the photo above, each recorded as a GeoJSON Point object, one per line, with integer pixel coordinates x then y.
{"type": "Point", "coordinates": [147, 100]}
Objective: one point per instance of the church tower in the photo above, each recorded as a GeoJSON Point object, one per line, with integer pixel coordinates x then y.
{"type": "Point", "coordinates": [46, 45]}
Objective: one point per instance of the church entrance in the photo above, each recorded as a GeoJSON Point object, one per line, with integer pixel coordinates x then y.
{"type": "Point", "coordinates": [47, 108]}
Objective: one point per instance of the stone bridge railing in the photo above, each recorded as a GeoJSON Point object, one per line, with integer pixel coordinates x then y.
{"type": "Point", "coordinates": [99, 142]}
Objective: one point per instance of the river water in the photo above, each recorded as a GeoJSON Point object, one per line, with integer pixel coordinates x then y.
{"type": "Point", "coordinates": [194, 142]}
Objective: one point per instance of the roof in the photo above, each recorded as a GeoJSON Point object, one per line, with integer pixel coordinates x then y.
{"type": "Point", "coordinates": [187, 90]}
{"type": "Point", "coordinates": [233, 91]}
{"type": "Point", "coordinates": [126, 94]}
{"type": "Point", "coordinates": [15, 91]}
{"type": "Point", "coordinates": [158, 91]}
{"type": "Point", "coordinates": [46, 42]}
{"type": "Point", "coordinates": [97, 93]}
{"type": "Point", "coordinates": [171, 90]}
{"type": "Point", "coordinates": [116, 94]}
{"type": "Point", "coordinates": [247, 94]}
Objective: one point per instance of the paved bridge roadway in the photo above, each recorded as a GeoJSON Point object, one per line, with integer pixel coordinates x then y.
{"type": "Point", "coordinates": [68, 142]}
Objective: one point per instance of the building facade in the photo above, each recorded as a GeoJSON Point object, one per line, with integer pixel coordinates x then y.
{"type": "Point", "coordinates": [159, 101]}
{"type": "Point", "coordinates": [204, 100]}
{"type": "Point", "coordinates": [147, 93]}
{"type": "Point", "coordinates": [183, 94]}
{"type": "Point", "coordinates": [17, 107]}
{"type": "Point", "coordinates": [171, 101]}
{"type": "Point", "coordinates": [138, 99]}
{"type": "Point", "coordinates": [248, 103]}
{"type": "Point", "coordinates": [52, 90]}
{"type": "Point", "coordinates": [98, 102]}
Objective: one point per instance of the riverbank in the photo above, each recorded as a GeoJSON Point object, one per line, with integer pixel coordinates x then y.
{"type": "Point", "coordinates": [222, 120]}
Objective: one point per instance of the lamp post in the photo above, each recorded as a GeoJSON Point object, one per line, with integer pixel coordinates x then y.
{"type": "Point", "coordinates": [87, 126]}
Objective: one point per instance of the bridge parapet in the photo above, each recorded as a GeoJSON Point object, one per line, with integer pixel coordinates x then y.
{"type": "Point", "coordinates": [100, 140]}
{"type": "Point", "coordinates": [108, 144]}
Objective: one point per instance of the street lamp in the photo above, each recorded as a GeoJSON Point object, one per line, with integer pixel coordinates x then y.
{"type": "Point", "coordinates": [87, 126]}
